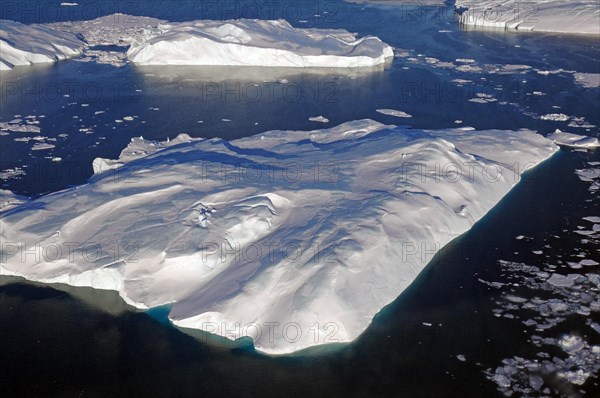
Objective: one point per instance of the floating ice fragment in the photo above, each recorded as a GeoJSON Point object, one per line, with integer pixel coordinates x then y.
{"type": "Point", "coordinates": [573, 140]}
{"type": "Point", "coordinates": [560, 280]}
{"type": "Point", "coordinates": [576, 377]}
{"type": "Point", "coordinates": [394, 112]}
{"type": "Point", "coordinates": [593, 219]}
{"type": "Point", "coordinates": [320, 119]}
{"type": "Point", "coordinates": [556, 117]}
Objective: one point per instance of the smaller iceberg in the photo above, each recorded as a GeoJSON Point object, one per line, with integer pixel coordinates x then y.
{"type": "Point", "coordinates": [573, 140]}
{"type": "Point", "coordinates": [562, 16]}
{"type": "Point", "coordinates": [249, 42]}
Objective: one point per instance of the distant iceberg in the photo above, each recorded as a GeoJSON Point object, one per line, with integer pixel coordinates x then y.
{"type": "Point", "coordinates": [258, 43]}
{"type": "Point", "coordinates": [25, 44]}
{"type": "Point", "coordinates": [573, 140]}
{"type": "Point", "coordinates": [561, 16]}
{"type": "Point", "coordinates": [294, 238]}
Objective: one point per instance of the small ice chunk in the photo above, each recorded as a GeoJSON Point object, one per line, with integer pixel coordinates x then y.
{"type": "Point", "coordinates": [571, 343]}
{"type": "Point", "coordinates": [40, 146]}
{"type": "Point", "coordinates": [478, 100]}
{"type": "Point", "coordinates": [394, 112]}
{"type": "Point", "coordinates": [501, 380]}
{"type": "Point", "coordinates": [536, 382]}
{"type": "Point", "coordinates": [320, 119]}
{"type": "Point", "coordinates": [593, 219]}
{"type": "Point", "coordinates": [560, 281]}
{"type": "Point", "coordinates": [578, 377]}
{"type": "Point", "coordinates": [555, 117]}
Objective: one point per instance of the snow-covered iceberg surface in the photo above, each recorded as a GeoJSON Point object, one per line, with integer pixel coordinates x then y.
{"type": "Point", "coordinates": [258, 43]}
{"type": "Point", "coordinates": [25, 44]}
{"type": "Point", "coordinates": [563, 16]}
{"type": "Point", "coordinates": [293, 238]}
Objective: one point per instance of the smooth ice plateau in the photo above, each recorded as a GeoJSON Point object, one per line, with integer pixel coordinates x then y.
{"type": "Point", "coordinates": [293, 238]}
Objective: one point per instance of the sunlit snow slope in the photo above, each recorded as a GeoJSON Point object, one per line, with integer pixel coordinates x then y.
{"type": "Point", "coordinates": [294, 238]}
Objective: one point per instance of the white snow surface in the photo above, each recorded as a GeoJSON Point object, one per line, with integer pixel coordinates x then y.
{"type": "Point", "coordinates": [257, 43]}
{"type": "Point", "coordinates": [25, 44]}
{"type": "Point", "coordinates": [563, 16]}
{"type": "Point", "coordinates": [294, 238]}
{"type": "Point", "coordinates": [573, 140]}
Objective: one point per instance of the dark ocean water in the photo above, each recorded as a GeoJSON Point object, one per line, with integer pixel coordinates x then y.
{"type": "Point", "coordinates": [440, 336]}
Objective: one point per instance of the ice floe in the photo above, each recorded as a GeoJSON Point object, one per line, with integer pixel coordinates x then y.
{"type": "Point", "coordinates": [394, 112]}
{"type": "Point", "coordinates": [587, 80]}
{"type": "Point", "coordinates": [573, 140]}
{"type": "Point", "coordinates": [320, 119]}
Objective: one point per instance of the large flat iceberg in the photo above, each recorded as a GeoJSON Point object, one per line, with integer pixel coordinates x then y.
{"type": "Point", "coordinates": [293, 238]}
{"type": "Point", "coordinates": [25, 44]}
{"type": "Point", "coordinates": [257, 43]}
{"type": "Point", "coordinates": [563, 16]}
